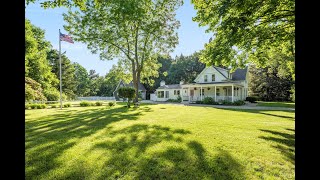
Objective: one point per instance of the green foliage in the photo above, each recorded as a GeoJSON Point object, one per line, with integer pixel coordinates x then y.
{"type": "Point", "coordinates": [238, 103]}
{"type": "Point", "coordinates": [82, 80]}
{"type": "Point", "coordinates": [98, 103]}
{"type": "Point", "coordinates": [27, 106]}
{"type": "Point", "coordinates": [54, 106]}
{"type": "Point", "coordinates": [173, 100]}
{"type": "Point", "coordinates": [85, 104]}
{"type": "Point", "coordinates": [37, 106]}
{"type": "Point", "coordinates": [179, 98]}
{"type": "Point", "coordinates": [69, 83]}
{"type": "Point", "coordinates": [111, 103]}
{"type": "Point", "coordinates": [252, 99]}
{"type": "Point", "coordinates": [52, 94]}
{"type": "Point", "coordinates": [128, 93]}
{"type": "Point", "coordinates": [139, 99]}
{"type": "Point", "coordinates": [245, 30]}
{"type": "Point", "coordinates": [67, 105]}
{"type": "Point", "coordinates": [199, 102]}
{"type": "Point", "coordinates": [33, 90]}
{"type": "Point", "coordinates": [208, 100]}
{"type": "Point", "coordinates": [36, 63]}
{"type": "Point", "coordinates": [225, 102]}
{"type": "Point", "coordinates": [270, 83]}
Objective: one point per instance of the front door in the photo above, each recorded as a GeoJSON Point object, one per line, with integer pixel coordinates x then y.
{"type": "Point", "coordinates": [191, 94]}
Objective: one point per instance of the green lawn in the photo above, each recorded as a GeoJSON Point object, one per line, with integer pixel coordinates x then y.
{"type": "Point", "coordinates": [277, 104]}
{"type": "Point", "coordinates": [159, 142]}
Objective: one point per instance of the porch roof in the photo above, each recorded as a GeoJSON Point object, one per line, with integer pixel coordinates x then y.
{"type": "Point", "coordinates": [227, 83]}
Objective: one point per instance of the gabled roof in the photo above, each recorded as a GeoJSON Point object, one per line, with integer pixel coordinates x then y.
{"type": "Point", "coordinates": [219, 70]}
{"type": "Point", "coordinates": [140, 86]}
{"type": "Point", "coordinates": [239, 74]}
{"type": "Point", "coordinates": [170, 86]}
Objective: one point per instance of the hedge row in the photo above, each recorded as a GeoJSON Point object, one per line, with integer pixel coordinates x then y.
{"type": "Point", "coordinates": [209, 100]}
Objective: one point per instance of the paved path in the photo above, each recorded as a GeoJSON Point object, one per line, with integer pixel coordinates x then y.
{"type": "Point", "coordinates": [247, 106]}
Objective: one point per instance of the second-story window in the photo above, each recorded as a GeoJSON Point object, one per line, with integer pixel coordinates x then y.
{"type": "Point", "coordinates": [205, 78]}
{"type": "Point", "coordinates": [213, 77]}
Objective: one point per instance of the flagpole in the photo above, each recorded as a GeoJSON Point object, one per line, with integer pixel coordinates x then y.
{"type": "Point", "coordinates": [60, 71]}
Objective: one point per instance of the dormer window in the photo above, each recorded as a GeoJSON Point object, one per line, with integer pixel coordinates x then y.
{"type": "Point", "coordinates": [213, 77]}
{"type": "Point", "coordinates": [205, 78]}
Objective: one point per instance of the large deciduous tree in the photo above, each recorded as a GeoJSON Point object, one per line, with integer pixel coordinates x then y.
{"type": "Point", "coordinates": [243, 31]}
{"type": "Point", "coordinates": [36, 64]}
{"type": "Point", "coordinates": [135, 31]}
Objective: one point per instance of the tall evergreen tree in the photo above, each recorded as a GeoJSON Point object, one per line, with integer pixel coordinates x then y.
{"type": "Point", "coordinates": [69, 83]}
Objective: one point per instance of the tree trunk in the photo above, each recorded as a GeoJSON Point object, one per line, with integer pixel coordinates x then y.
{"type": "Point", "coordinates": [135, 81]}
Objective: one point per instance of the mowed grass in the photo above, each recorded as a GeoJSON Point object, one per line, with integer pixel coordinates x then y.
{"type": "Point", "coordinates": [277, 104]}
{"type": "Point", "coordinates": [159, 142]}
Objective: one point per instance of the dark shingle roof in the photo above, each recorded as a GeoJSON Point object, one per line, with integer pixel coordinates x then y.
{"type": "Point", "coordinates": [239, 74]}
{"type": "Point", "coordinates": [140, 86]}
{"type": "Point", "coordinates": [170, 86]}
{"type": "Point", "coordinates": [121, 83]}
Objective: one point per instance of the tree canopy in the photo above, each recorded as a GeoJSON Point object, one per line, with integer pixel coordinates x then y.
{"type": "Point", "coordinates": [245, 30]}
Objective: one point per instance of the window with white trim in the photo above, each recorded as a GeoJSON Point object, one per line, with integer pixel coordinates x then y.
{"type": "Point", "coordinates": [160, 94]}
{"type": "Point", "coordinates": [205, 78]}
{"type": "Point", "coordinates": [213, 77]}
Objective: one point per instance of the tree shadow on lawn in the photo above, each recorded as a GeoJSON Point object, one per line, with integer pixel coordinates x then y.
{"type": "Point", "coordinates": [138, 151]}
{"type": "Point", "coordinates": [285, 143]}
{"type": "Point", "coordinates": [156, 152]}
{"type": "Point", "coordinates": [47, 138]}
{"type": "Point", "coordinates": [258, 111]}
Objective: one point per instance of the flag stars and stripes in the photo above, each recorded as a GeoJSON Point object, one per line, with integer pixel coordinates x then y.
{"type": "Point", "coordinates": [65, 37]}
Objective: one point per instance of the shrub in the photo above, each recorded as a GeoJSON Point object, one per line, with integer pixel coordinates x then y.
{"type": "Point", "coordinates": [33, 90]}
{"type": "Point", "coordinates": [225, 102]}
{"type": "Point", "coordinates": [53, 106]}
{"type": "Point", "coordinates": [179, 98]}
{"type": "Point", "coordinates": [173, 100]}
{"type": "Point", "coordinates": [139, 99]}
{"type": "Point", "coordinates": [27, 106]}
{"type": "Point", "coordinates": [92, 104]}
{"type": "Point", "coordinates": [238, 103]}
{"type": "Point", "coordinates": [208, 100]}
{"type": "Point", "coordinates": [252, 99]}
{"type": "Point", "coordinates": [98, 103]}
{"type": "Point", "coordinates": [199, 102]}
{"type": "Point", "coordinates": [127, 92]}
{"type": "Point", "coordinates": [51, 94]}
{"type": "Point", "coordinates": [67, 105]}
{"type": "Point", "coordinates": [42, 106]}
{"type": "Point", "coordinates": [85, 103]}
{"type": "Point", "coordinates": [111, 103]}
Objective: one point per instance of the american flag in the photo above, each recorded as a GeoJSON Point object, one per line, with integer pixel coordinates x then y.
{"type": "Point", "coordinates": [65, 37]}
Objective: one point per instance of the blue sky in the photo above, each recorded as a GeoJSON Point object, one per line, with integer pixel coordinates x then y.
{"type": "Point", "coordinates": [191, 36]}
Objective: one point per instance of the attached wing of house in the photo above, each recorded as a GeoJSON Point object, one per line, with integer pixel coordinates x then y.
{"type": "Point", "coordinates": [213, 81]}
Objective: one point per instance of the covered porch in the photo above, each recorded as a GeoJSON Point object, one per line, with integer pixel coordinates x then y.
{"type": "Point", "coordinates": [219, 92]}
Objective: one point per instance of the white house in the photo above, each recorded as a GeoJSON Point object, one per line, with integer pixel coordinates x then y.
{"type": "Point", "coordinates": [213, 81]}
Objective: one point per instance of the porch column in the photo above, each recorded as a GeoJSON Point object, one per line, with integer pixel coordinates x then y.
{"type": "Point", "coordinates": [232, 93]}
{"type": "Point", "coordinates": [215, 93]}
{"type": "Point", "coordinates": [200, 93]}
{"type": "Point", "coordinates": [188, 93]}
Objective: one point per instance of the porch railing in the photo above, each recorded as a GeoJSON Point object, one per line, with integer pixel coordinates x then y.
{"type": "Point", "coordinates": [218, 98]}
